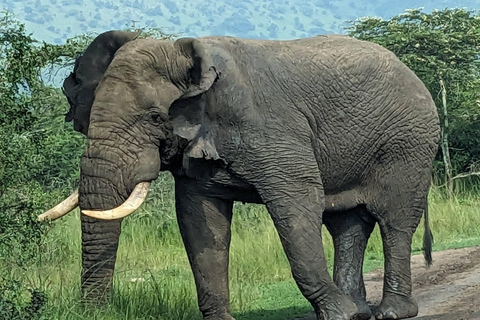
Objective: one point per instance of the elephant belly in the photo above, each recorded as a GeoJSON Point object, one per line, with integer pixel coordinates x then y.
{"type": "Point", "coordinates": [216, 181]}
{"type": "Point", "coordinates": [343, 200]}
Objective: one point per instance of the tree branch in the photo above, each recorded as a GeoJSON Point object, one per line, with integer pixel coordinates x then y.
{"type": "Point", "coordinates": [462, 175]}
{"type": "Point", "coordinates": [466, 175]}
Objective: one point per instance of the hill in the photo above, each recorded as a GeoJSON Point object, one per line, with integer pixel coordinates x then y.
{"type": "Point", "coordinates": [56, 20]}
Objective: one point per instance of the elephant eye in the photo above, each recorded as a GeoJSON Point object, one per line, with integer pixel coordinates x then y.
{"type": "Point", "coordinates": [156, 117]}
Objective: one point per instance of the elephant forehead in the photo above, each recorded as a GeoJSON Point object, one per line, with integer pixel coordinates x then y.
{"type": "Point", "coordinates": [136, 66]}
{"type": "Point", "coordinates": [134, 90]}
{"type": "Point", "coordinates": [149, 68]}
{"type": "Point", "coordinates": [112, 89]}
{"type": "Point", "coordinates": [146, 54]}
{"type": "Point", "coordinates": [150, 60]}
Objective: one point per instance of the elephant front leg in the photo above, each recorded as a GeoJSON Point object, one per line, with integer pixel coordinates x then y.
{"type": "Point", "coordinates": [205, 228]}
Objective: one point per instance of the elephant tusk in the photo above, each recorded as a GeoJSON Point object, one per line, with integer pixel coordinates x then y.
{"type": "Point", "coordinates": [61, 209]}
{"type": "Point", "coordinates": [134, 201]}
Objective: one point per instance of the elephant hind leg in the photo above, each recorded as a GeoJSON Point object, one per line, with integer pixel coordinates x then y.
{"type": "Point", "coordinates": [350, 231]}
{"type": "Point", "coordinates": [398, 209]}
{"type": "Point", "coordinates": [397, 301]}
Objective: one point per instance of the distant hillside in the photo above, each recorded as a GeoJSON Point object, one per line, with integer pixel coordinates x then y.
{"type": "Point", "coordinates": [57, 20]}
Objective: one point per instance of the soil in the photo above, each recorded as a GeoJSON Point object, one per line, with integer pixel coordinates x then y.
{"type": "Point", "coordinates": [448, 290]}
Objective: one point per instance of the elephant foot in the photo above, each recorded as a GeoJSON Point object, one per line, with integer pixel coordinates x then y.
{"type": "Point", "coordinates": [397, 307]}
{"type": "Point", "coordinates": [341, 308]}
{"type": "Point", "coordinates": [363, 311]}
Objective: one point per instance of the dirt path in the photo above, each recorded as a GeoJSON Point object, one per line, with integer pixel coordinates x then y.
{"type": "Point", "coordinates": [449, 290]}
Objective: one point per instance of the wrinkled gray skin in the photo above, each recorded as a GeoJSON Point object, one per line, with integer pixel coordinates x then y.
{"type": "Point", "coordinates": [322, 124]}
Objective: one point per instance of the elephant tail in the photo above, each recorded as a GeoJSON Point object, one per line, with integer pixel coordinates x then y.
{"type": "Point", "coordinates": [427, 239]}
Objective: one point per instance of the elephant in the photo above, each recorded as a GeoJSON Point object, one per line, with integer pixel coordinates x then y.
{"type": "Point", "coordinates": [325, 130]}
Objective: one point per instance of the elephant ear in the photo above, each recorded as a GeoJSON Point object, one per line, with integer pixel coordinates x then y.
{"type": "Point", "coordinates": [187, 114]}
{"type": "Point", "coordinates": [79, 87]}
{"type": "Point", "coordinates": [189, 121]}
{"type": "Point", "coordinates": [201, 74]}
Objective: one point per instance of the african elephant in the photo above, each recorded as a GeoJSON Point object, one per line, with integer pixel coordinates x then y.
{"type": "Point", "coordinates": [328, 130]}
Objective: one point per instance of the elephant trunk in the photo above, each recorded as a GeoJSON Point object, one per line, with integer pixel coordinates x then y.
{"type": "Point", "coordinates": [99, 248]}
{"type": "Point", "coordinates": [108, 178]}
{"type": "Point", "coordinates": [99, 252]}
{"type": "Point", "coordinates": [99, 190]}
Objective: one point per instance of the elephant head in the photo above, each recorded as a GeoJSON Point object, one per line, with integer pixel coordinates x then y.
{"type": "Point", "coordinates": [144, 100]}
{"type": "Point", "coordinates": [80, 85]}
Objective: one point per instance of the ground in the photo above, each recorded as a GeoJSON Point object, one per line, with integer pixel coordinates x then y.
{"type": "Point", "coordinates": [448, 290]}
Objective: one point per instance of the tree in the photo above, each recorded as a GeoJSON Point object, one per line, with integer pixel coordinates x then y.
{"type": "Point", "coordinates": [442, 48]}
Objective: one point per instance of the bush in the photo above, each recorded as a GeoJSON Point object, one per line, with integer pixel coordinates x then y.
{"type": "Point", "coordinates": [20, 303]}
{"type": "Point", "coordinates": [38, 158]}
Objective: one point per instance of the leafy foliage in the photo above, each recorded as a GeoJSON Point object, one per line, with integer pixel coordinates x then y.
{"type": "Point", "coordinates": [36, 147]}
{"type": "Point", "coordinates": [38, 153]}
{"type": "Point", "coordinates": [18, 303]}
{"type": "Point", "coordinates": [31, 111]}
{"type": "Point", "coordinates": [442, 45]}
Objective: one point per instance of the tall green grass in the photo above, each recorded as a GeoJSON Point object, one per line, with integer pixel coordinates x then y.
{"type": "Point", "coordinates": [153, 278]}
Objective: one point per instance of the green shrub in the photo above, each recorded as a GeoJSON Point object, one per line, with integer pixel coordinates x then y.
{"type": "Point", "coordinates": [20, 303]}
{"type": "Point", "coordinates": [39, 159]}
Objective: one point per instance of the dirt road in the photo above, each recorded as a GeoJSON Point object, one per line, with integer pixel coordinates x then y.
{"type": "Point", "coordinates": [449, 290]}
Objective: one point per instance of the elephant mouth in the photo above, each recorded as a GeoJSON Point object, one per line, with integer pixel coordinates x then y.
{"type": "Point", "coordinates": [134, 201]}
